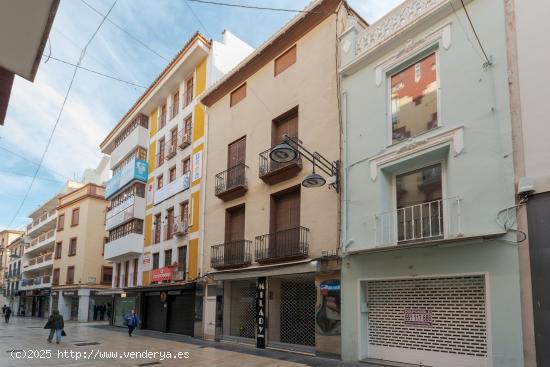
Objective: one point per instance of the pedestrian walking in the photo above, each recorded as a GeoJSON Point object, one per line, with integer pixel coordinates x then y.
{"type": "Point", "coordinates": [7, 314]}
{"type": "Point", "coordinates": [4, 310]}
{"type": "Point", "coordinates": [55, 324]}
{"type": "Point", "coordinates": [132, 321]}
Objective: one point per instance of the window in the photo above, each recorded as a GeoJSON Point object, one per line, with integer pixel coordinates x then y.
{"type": "Point", "coordinates": [175, 103]}
{"type": "Point", "coordinates": [414, 99]}
{"type": "Point", "coordinates": [184, 211]}
{"type": "Point", "coordinates": [161, 152]}
{"type": "Point", "coordinates": [286, 60]}
{"type": "Point", "coordinates": [55, 280]}
{"type": "Point", "coordinates": [58, 250]}
{"type": "Point", "coordinates": [170, 223]}
{"type": "Point", "coordinates": [182, 260]}
{"type": "Point", "coordinates": [187, 124]}
{"type": "Point", "coordinates": [72, 247]}
{"type": "Point", "coordinates": [186, 165]}
{"type": "Point", "coordinates": [237, 95]}
{"type": "Point", "coordinates": [188, 91]}
{"type": "Point", "coordinates": [136, 269]}
{"type": "Point", "coordinates": [70, 274]}
{"type": "Point", "coordinates": [234, 223]}
{"type": "Point", "coordinates": [172, 174]}
{"type": "Point", "coordinates": [156, 229]}
{"type": "Point", "coordinates": [126, 272]}
{"type": "Point", "coordinates": [156, 260]}
{"type": "Point", "coordinates": [106, 275]}
{"type": "Point", "coordinates": [419, 204]}
{"type": "Point", "coordinates": [286, 124]}
{"type": "Point", "coordinates": [118, 272]}
{"type": "Point", "coordinates": [159, 182]}
{"type": "Point", "coordinates": [162, 116]}
{"type": "Point", "coordinates": [134, 226]}
{"type": "Point", "coordinates": [60, 222]}
{"type": "Point", "coordinates": [74, 217]}
{"type": "Point", "coordinates": [167, 257]}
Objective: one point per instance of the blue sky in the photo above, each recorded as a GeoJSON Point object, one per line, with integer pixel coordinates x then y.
{"type": "Point", "coordinates": [95, 103]}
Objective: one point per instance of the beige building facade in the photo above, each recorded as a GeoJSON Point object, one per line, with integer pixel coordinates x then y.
{"type": "Point", "coordinates": [79, 270]}
{"type": "Point", "coordinates": [271, 243]}
{"type": "Point", "coordinates": [14, 251]}
{"type": "Point", "coordinates": [6, 238]}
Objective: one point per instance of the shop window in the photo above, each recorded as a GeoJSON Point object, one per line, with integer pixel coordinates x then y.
{"type": "Point", "coordinates": [414, 99]}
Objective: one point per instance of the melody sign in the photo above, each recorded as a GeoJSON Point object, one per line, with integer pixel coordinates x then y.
{"type": "Point", "coordinates": [260, 312]}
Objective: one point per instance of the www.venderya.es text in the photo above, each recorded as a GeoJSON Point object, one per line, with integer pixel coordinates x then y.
{"type": "Point", "coordinates": [95, 354]}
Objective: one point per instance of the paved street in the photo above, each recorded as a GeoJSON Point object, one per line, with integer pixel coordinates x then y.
{"type": "Point", "coordinates": [24, 335]}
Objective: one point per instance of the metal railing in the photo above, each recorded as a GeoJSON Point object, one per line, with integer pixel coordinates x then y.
{"type": "Point", "coordinates": [231, 254]}
{"type": "Point", "coordinates": [39, 259]}
{"type": "Point", "coordinates": [171, 148]}
{"type": "Point", "coordinates": [41, 239]}
{"type": "Point", "coordinates": [181, 225]}
{"type": "Point", "coordinates": [231, 178]}
{"type": "Point", "coordinates": [431, 220]}
{"type": "Point", "coordinates": [281, 245]}
{"type": "Point", "coordinates": [44, 217]}
{"type": "Point", "coordinates": [267, 165]}
{"type": "Point", "coordinates": [184, 138]}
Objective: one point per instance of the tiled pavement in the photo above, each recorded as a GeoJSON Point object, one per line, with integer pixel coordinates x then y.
{"type": "Point", "coordinates": [24, 334]}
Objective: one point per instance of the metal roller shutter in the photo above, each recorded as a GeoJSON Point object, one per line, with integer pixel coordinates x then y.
{"type": "Point", "coordinates": [181, 314]}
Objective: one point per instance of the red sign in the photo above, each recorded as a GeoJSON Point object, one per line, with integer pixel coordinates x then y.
{"type": "Point", "coordinates": [162, 274]}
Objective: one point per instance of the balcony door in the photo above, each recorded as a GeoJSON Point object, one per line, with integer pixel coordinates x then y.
{"type": "Point", "coordinates": [236, 156]}
{"type": "Point", "coordinates": [420, 205]}
{"type": "Point", "coordinates": [285, 125]}
{"type": "Point", "coordinates": [285, 223]}
{"type": "Point", "coordinates": [234, 248]}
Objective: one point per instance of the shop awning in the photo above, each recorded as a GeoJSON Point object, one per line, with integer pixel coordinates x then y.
{"type": "Point", "coordinates": [305, 266]}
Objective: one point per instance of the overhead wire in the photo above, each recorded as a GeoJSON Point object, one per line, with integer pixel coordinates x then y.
{"type": "Point", "coordinates": [82, 55]}
{"type": "Point", "coordinates": [255, 7]}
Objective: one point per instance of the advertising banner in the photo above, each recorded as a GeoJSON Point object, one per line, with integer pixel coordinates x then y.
{"type": "Point", "coordinates": [162, 274]}
{"type": "Point", "coordinates": [179, 184]}
{"type": "Point", "coordinates": [136, 169]}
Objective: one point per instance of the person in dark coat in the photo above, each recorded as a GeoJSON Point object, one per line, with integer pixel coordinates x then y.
{"type": "Point", "coordinates": [55, 324]}
{"type": "Point", "coordinates": [132, 320]}
{"type": "Point", "coordinates": [7, 314]}
{"type": "Point", "coordinates": [4, 310]}
{"type": "Point", "coordinates": [101, 310]}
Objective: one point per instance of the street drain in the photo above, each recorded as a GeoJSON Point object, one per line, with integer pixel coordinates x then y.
{"type": "Point", "coordinates": [148, 364]}
{"type": "Point", "coordinates": [86, 344]}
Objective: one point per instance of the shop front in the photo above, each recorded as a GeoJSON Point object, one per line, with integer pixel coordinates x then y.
{"type": "Point", "coordinates": [83, 304]}
{"type": "Point", "coordinates": [124, 303]}
{"type": "Point", "coordinates": [36, 303]}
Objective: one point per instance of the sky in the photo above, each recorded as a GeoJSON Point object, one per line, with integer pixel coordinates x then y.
{"type": "Point", "coordinates": [95, 104]}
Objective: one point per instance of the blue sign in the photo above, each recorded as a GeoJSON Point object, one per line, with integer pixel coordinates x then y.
{"type": "Point", "coordinates": [136, 169]}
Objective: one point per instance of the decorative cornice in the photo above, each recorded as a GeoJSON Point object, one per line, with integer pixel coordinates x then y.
{"type": "Point", "coordinates": [393, 23]}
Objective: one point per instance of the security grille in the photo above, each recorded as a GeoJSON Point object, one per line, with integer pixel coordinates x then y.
{"type": "Point", "coordinates": [455, 305]}
{"type": "Point", "coordinates": [298, 310]}
{"type": "Point", "coordinates": [243, 309]}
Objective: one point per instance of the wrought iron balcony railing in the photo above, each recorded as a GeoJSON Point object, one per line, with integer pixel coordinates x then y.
{"type": "Point", "coordinates": [184, 138]}
{"type": "Point", "coordinates": [272, 172]}
{"type": "Point", "coordinates": [232, 182]}
{"type": "Point", "coordinates": [171, 148]}
{"type": "Point", "coordinates": [282, 245]}
{"type": "Point", "coordinates": [231, 254]}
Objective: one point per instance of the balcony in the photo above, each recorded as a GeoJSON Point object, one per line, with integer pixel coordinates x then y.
{"type": "Point", "coordinates": [288, 244]}
{"type": "Point", "coordinates": [35, 283]}
{"type": "Point", "coordinates": [181, 226]}
{"type": "Point", "coordinates": [272, 172]}
{"type": "Point", "coordinates": [135, 169]}
{"type": "Point", "coordinates": [128, 245]}
{"type": "Point", "coordinates": [42, 240]}
{"type": "Point", "coordinates": [233, 254]}
{"type": "Point", "coordinates": [429, 221]}
{"type": "Point", "coordinates": [39, 262]}
{"type": "Point", "coordinates": [184, 138]}
{"type": "Point", "coordinates": [232, 183]}
{"type": "Point", "coordinates": [133, 207]}
{"type": "Point", "coordinates": [43, 223]}
{"type": "Point", "coordinates": [136, 136]}
{"type": "Point", "coordinates": [171, 148]}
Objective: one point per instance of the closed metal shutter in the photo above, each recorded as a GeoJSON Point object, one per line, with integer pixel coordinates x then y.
{"type": "Point", "coordinates": [154, 318]}
{"type": "Point", "coordinates": [433, 321]}
{"type": "Point", "coordinates": [181, 314]}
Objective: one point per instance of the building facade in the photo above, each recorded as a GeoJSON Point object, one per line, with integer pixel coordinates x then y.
{"type": "Point", "coordinates": [430, 253]}
{"type": "Point", "coordinates": [528, 88]}
{"type": "Point", "coordinates": [79, 270]}
{"type": "Point", "coordinates": [6, 238]}
{"type": "Point", "coordinates": [15, 252]}
{"type": "Point", "coordinates": [159, 278]}
{"type": "Point", "coordinates": [37, 263]}
{"type": "Point", "coordinates": [268, 239]}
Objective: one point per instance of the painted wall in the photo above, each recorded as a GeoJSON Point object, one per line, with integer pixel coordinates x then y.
{"type": "Point", "coordinates": [309, 84]}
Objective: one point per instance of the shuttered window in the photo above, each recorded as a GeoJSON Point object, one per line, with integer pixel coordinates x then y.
{"type": "Point", "coordinates": [70, 275]}
{"type": "Point", "coordinates": [106, 275]}
{"type": "Point", "coordinates": [236, 153]}
{"type": "Point", "coordinates": [237, 95]}
{"type": "Point", "coordinates": [286, 60]}
{"type": "Point", "coordinates": [72, 247]}
{"type": "Point", "coordinates": [60, 222]}
{"type": "Point", "coordinates": [58, 250]}
{"type": "Point", "coordinates": [234, 224]}
{"type": "Point", "coordinates": [75, 216]}
{"type": "Point", "coordinates": [55, 280]}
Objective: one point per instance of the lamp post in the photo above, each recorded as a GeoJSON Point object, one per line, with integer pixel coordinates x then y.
{"type": "Point", "coordinates": [291, 149]}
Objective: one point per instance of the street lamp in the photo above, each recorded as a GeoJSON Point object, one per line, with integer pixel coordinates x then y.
{"type": "Point", "coordinates": [291, 148]}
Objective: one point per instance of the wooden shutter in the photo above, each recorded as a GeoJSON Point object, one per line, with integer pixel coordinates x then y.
{"type": "Point", "coordinates": [286, 125]}
{"type": "Point", "coordinates": [286, 213]}
{"type": "Point", "coordinates": [74, 218]}
{"type": "Point", "coordinates": [55, 277]}
{"type": "Point", "coordinates": [234, 224]}
{"type": "Point", "coordinates": [285, 60]}
{"type": "Point", "coordinates": [236, 153]}
{"type": "Point", "coordinates": [136, 269]}
{"type": "Point", "coordinates": [237, 95]}
{"type": "Point", "coordinates": [70, 275]}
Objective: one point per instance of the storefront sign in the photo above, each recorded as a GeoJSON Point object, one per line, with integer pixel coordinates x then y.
{"type": "Point", "coordinates": [136, 169]}
{"type": "Point", "coordinates": [165, 273]}
{"type": "Point", "coordinates": [120, 214]}
{"type": "Point", "coordinates": [179, 184]}
{"type": "Point", "coordinates": [260, 312]}
{"type": "Point", "coordinates": [197, 165]}
{"type": "Point", "coordinates": [71, 293]}
{"type": "Point", "coordinates": [174, 293]}
{"type": "Point", "coordinates": [418, 317]}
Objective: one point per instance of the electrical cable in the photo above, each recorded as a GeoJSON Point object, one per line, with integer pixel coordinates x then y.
{"type": "Point", "coordinates": [127, 32]}
{"type": "Point", "coordinates": [197, 18]}
{"type": "Point", "coordinates": [488, 63]}
{"type": "Point", "coordinates": [82, 55]}
{"type": "Point", "coordinates": [95, 72]}
{"type": "Point", "coordinates": [234, 5]}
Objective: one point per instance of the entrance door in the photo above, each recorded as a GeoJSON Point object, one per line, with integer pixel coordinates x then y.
{"type": "Point", "coordinates": [428, 321]}
{"type": "Point", "coordinates": [154, 319]}
{"type": "Point", "coordinates": [210, 318]}
{"type": "Point", "coordinates": [181, 314]}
